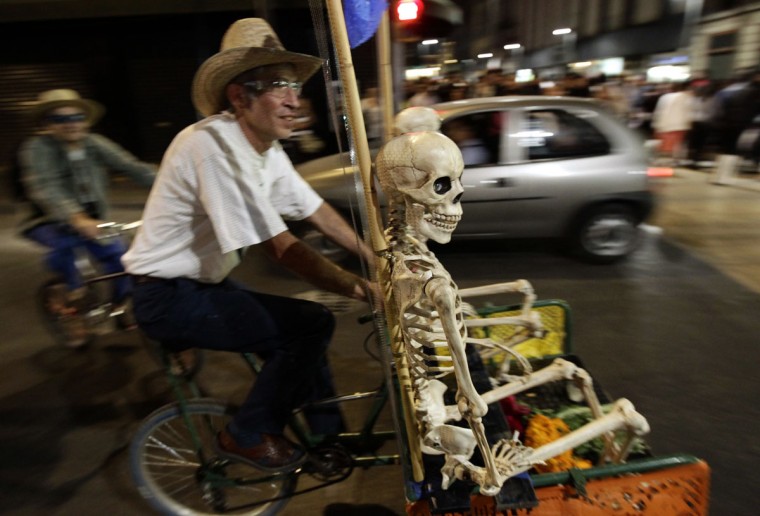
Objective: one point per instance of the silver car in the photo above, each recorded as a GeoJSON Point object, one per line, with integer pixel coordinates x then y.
{"type": "Point", "coordinates": [535, 167]}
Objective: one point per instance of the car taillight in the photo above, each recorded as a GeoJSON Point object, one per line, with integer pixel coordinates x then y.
{"type": "Point", "coordinates": [659, 172]}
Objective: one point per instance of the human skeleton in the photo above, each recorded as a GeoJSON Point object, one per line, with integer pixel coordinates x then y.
{"type": "Point", "coordinates": [420, 174]}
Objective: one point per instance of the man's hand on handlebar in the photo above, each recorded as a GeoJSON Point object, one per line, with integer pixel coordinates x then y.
{"type": "Point", "coordinates": [85, 225]}
{"type": "Point", "coordinates": [370, 288]}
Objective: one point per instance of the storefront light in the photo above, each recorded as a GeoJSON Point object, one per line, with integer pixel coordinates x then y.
{"type": "Point", "coordinates": [524, 75]}
{"type": "Point", "coordinates": [413, 74]}
{"type": "Point", "coordinates": [668, 73]}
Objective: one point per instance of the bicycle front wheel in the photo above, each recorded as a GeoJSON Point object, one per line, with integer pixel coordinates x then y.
{"type": "Point", "coordinates": [176, 470]}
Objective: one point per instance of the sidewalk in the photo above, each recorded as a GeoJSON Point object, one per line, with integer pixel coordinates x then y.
{"type": "Point", "coordinates": [719, 223]}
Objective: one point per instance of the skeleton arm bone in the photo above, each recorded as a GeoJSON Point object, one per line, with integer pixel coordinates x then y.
{"type": "Point", "coordinates": [493, 347]}
{"type": "Point", "coordinates": [522, 286]}
{"type": "Point", "coordinates": [471, 405]}
{"type": "Point", "coordinates": [532, 323]}
{"type": "Point", "coordinates": [527, 317]}
{"type": "Point", "coordinates": [444, 297]}
{"type": "Point", "coordinates": [494, 321]}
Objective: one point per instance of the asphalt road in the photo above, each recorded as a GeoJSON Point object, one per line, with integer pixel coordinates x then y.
{"type": "Point", "coordinates": [665, 329]}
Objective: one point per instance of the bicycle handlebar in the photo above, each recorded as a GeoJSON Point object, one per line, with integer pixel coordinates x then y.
{"type": "Point", "coordinates": [114, 229]}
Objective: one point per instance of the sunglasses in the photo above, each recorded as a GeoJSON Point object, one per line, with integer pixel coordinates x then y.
{"type": "Point", "coordinates": [66, 119]}
{"type": "Point", "coordinates": [278, 88]}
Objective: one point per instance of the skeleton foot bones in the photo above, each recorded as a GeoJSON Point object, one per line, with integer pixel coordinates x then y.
{"type": "Point", "coordinates": [420, 174]}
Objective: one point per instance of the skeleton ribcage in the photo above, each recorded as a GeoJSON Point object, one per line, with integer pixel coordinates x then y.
{"type": "Point", "coordinates": [426, 345]}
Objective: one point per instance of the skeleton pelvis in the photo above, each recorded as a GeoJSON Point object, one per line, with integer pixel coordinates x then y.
{"type": "Point", "coordinates": [449, 439]}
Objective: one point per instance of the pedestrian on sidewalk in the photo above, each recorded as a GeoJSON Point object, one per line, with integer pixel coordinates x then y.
{"type": "Point", "coordinates": [671, 122]}
{"type": "Point", "coordinates": [701, 135]}
{"type": "Point", "coordinates": [736, 107]}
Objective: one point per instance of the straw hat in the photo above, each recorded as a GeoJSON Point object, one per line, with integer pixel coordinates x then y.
{"type": "Point", "coordinates": [248, 43]}
{"type": "Point", "coordinates": [53, 99]}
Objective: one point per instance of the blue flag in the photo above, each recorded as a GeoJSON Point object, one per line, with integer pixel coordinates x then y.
{"type": "Point", "coordinates": [362, 19]}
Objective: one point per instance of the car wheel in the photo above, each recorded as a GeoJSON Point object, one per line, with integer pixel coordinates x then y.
{"type": "Point", "coordinates": [606, 234]}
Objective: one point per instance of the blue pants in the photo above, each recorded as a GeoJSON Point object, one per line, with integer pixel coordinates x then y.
{"type": "Point", "coordinates": [290, 335]}
{"type": "Point", "coordinates": [64, 242]}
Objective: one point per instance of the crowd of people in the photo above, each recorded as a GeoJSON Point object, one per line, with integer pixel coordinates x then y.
{"type": "Point", "coordinates": [693, 119]}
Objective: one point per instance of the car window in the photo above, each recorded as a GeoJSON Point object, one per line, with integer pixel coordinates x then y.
{"type": "Point", "coordinates": [556, 133]}
{"type": "Point", "coordinates": [476, 135]}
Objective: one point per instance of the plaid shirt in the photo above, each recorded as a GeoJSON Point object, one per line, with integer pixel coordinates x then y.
{"type": "Point", "coordinates": [59, 186]}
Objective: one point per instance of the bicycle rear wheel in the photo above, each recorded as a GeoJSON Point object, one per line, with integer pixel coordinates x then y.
{"type": "Point", "coordinates": [65, 322]}
{"type": "Point", "coordinates": [176, 478]}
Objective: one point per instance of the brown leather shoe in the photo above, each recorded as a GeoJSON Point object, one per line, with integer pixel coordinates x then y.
{"type": "Point", "coordinates": [275, 454]}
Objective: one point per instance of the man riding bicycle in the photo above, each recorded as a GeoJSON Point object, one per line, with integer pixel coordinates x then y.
{"type": "Point", "coordinates": [65, 175]}
{"type": "Point", "coordinates": [227, 184]}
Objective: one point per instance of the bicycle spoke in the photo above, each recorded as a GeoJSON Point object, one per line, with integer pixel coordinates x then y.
{"type": "Point", "coordinates": [176, 479]}
{"type": "Point", "coordinates": [175, 452]}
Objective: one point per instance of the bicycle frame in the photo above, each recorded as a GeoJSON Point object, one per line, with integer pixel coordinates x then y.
{"type": "Point", "coordinates": [361, 445]}
{"type": "Point", "coordinates": [94, 305]}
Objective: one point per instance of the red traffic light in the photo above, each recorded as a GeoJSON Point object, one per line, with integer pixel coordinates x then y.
{"type": "Point", "coordinates": [409, 10]}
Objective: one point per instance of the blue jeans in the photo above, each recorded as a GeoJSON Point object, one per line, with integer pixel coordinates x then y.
{"type": "Point", "coordinates": [63, 242]}
{"type": "Point", "coordinates": [290, 335]}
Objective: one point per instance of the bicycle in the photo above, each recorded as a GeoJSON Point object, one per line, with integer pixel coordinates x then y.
{"type": "Point", "coordinates": [87, 315]}
{"type": "Point", "coordinates": [176, 470]}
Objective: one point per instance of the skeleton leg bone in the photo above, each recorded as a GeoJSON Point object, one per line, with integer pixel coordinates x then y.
{"type": "Point", "coordinates": [622, 416]}
{"type": "Point", "coordinates": [512, 458]}
{"type": "Point", "coordinates": [560, 369]}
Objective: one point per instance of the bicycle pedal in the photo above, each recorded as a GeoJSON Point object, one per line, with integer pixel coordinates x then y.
{"type": "Point", "coordinates": [329, 462]}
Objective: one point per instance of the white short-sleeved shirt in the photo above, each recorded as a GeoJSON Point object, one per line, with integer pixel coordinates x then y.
{"type": "Point", "coordinates": [215, 195]}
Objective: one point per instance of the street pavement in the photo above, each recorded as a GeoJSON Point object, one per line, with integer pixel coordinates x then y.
{"type": "Point", "coordinates": [674, 329]}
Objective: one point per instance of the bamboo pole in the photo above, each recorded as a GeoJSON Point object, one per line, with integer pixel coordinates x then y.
{"type": "Point", "coordinates": [355, 118]}
{"type": "Point", "coordinates": [377, 238]}
{"type": "Point", "coordinates": [385, 73]}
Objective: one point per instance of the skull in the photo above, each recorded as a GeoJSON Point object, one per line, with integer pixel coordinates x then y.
{"type": "Point", "coordinates": [417, 118]}
{"type": "Point", "coordinates": [423, 171]}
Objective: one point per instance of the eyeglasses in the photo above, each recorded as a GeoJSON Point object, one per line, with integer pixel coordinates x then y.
{"type": "Point", "coordinates": [66, 119]}
{"type": "Point", "coordinates": [278, 88]}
